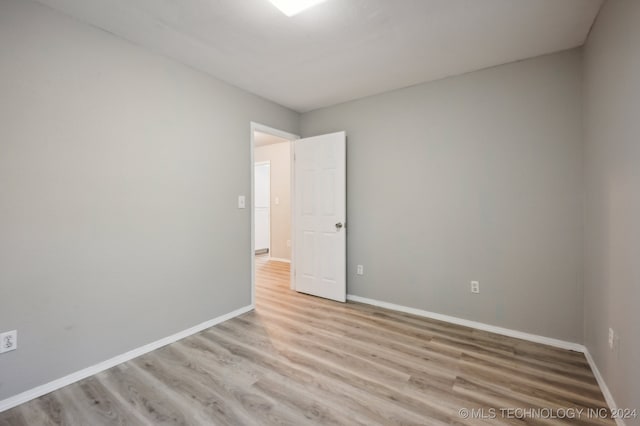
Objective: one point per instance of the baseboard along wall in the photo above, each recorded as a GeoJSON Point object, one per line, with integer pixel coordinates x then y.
{"type": "Point", "coordinates": [46, 388]}
{"type": "Point", "coordinates": [112, 362]}
{"type": "Point", "coordinates": [562, 344]}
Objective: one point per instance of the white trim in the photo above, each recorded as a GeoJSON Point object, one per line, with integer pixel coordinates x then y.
{"type": "Point", "coordinates": [257, 127]}
{"type": "Point", "coordinates": [473, 324]}
{"type": "Point", "coordinates": [118, 359]}
{"type": "Point", "coordinates": [38, 391]}
{"type": "Point", "coordinates": [603, 386]}
{"type": "Point", "coordinates": [280, 259]}
{"type": "Point", "coordinates": [505, 332]}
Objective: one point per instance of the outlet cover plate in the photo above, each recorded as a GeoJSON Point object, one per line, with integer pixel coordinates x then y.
{"type": "Point", "coordinates": [8, 341]}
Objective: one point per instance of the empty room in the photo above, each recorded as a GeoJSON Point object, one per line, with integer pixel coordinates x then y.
{"type": "Point", "coordinates": [300, 212]}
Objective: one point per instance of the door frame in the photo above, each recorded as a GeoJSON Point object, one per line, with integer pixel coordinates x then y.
{"type": "Point", "coordinates": [254, 126]}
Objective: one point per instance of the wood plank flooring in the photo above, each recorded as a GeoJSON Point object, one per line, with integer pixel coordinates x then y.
{"type": "Point", "coordinates": [301, 360]}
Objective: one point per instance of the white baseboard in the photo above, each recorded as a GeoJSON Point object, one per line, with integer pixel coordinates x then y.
{"type": "Point", "coordinates": [473, 324]}
{"type": "Point", "coordinates": [105, 365]}
{"type": "Point", "coordinates": [603, 386]}
{"type": "Point", "coordinates": [279, 259]}
{"type": "Point", "coordinates": [505, 332]}
{"type": "Point", "coordinates": [36, 392]}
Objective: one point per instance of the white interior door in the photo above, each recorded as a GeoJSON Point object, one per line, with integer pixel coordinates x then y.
{"type": "Point", "coordinates": [262, 206]}
{"type": "Point", "coordinates": [319, 216]}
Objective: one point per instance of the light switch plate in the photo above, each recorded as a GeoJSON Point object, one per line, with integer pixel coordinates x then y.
{"type": "Point", "coordinates": [241, 202]}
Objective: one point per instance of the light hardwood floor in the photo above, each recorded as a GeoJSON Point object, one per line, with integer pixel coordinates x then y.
{"type": "Point", "coordinates": [300, 360]}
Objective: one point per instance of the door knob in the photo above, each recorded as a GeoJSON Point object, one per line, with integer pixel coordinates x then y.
{"type": "Point", "coordinates": [339, 225]}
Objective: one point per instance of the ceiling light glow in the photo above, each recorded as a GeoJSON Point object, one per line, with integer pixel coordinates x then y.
{"type": "Point", "coordinates": [293, 7]}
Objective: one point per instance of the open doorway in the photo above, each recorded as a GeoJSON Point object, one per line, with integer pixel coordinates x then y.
{"type": "Point", "coordinates": [307, 213]}
{"type": "Point", "coordinates": [271, 215]}
{"type": "Point", "coordinates": [262, 205]}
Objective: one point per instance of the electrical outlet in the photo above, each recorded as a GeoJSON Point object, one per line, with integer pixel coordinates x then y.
{"type": "Point", "coordinates": [360, 270]}
{"type": "Point", "coordinates": [475, 286]}
{"type": "Point", "coordinates": [612, 336]}
{"type": "Point", "coordinates": [8, 341]}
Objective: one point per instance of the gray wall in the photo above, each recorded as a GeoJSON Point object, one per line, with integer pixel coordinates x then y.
{"type": "Point", "coordinates": [118, 217]}
{"type": "Point", "coordinates": [612, 171]}
{"type": "Point", "coordinates": [475, 177]}
{"type": "Point", "coordinates": [119, 172]}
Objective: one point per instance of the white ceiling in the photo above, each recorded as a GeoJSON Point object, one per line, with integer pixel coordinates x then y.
{"type": "Point", "coordinates": [341, 49]}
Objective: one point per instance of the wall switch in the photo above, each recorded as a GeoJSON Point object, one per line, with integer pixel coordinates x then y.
{"type": "Point", "coordinates": [611, 338]}
{"type": "Point", "coordinates": [241, 202]}
{"type": "Point", "coordinates": [475, 286]}
{"type": "Point", "coordinates": [288, 243]}
{"type": "Point", "coordinates": [277, 201]}
{"type": "Point", "coordinates": [360, 270]}
{"type": "Point", "coordinates": [8, 341]}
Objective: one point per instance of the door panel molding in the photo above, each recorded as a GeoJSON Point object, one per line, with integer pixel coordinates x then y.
{"type": "Point", "coordinates": [319, 212]}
